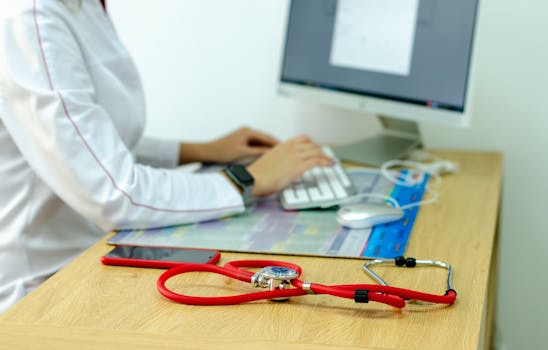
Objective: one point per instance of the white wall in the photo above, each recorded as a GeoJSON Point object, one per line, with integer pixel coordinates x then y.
{"type": "Point", "coordinates": [209, 66]}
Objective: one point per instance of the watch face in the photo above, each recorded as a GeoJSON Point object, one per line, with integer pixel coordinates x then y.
{"type": "Point", "coordinates": [279, 273]}
{"type": "Point", "coordinates": [241, 174]}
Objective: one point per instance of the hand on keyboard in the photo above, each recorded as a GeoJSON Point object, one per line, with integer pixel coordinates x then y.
{"type": "Point", "coordinates": [286, 162]}
{"type": "Point", "coordinates": [319, 187]}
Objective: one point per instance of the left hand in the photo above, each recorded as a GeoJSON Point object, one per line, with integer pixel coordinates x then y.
{"type": "Point", "coordinates": [241, 144]}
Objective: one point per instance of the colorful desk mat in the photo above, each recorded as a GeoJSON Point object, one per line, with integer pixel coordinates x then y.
{"type": "Point", "coordinates": [267, 228]}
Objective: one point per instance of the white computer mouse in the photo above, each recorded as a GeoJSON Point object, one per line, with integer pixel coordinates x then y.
{"type": "Point", "coordinates": [364, 215]}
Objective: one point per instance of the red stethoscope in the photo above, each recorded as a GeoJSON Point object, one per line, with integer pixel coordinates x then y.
{"type": "Point", "coordinates": [282, 281]}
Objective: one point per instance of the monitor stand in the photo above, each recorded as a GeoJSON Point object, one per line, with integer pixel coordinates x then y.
{"type": "Point", "coordinates": [398, 139]}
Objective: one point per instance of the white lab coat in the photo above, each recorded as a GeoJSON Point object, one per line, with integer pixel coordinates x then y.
{"type": "Point", "coordinates": [71, 118]}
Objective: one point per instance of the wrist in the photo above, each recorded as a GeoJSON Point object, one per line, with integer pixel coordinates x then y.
{"type": "Point", "coordinates": [261, 186]}
{"type": "Point", "coordinates": [241, 179]}
{"type": "Point", "coordinates": [194, 152]}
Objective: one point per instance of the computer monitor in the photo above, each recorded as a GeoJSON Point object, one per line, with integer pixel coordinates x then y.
{"type": "Point", "coordinates": [406, 61]}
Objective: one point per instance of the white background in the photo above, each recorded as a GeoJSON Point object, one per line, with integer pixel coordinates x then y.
{"type": "Point", "coordinates": [209, 66]}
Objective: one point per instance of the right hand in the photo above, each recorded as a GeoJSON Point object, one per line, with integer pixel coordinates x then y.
{"type": "Point", "coordinates": [286, 162]}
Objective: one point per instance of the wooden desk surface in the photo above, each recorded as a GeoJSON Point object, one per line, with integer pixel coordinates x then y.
{"type": "Point", "coordinates": [88, 305]}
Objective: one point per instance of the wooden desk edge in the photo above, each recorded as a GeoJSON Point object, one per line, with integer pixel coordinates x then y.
{"type": "Point", "coordinates": [60, 338]}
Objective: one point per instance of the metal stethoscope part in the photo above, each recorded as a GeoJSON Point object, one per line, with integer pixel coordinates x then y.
{"type": "Point", "coordinates": [401, 261]}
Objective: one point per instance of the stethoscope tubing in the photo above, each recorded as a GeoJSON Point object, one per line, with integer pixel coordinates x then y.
{"type": "Point", "coordinates": [229, 271]}
{"type": "Point", "coordinates": [389, 295]}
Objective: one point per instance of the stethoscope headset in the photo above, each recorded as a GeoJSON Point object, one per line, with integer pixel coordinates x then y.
{"type": "Point", "coordinates": [282, 281]}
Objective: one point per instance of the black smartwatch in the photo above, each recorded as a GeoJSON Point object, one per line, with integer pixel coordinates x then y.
{"type": "Point", "coordinates": [241, 178]}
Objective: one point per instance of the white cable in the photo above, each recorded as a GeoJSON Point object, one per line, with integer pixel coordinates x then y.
{"type": "Point", "coordinates": [419, 155]}
{"type": "Point", "coordinates": [390, 199]}
{"type": "Point", "coordinates": [433, 169]}
{"type": "Point", "coordinates": [411, 178]}
{"type": "Point", "coordinates": [434, 195]}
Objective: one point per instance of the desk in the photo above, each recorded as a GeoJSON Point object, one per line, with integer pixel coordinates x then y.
{"type": "Point", "coordinates": [88, 305]}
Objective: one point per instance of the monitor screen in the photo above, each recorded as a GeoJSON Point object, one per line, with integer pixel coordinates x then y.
{"type": "Point", "coordinates": [414, 53]}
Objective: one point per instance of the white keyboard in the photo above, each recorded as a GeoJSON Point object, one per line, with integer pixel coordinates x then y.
{"type": "Point", "coordinates": [320, 187]}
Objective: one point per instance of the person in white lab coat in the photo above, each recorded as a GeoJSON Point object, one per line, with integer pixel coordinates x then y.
{"type": "Point", "coordinates": [72, 152]}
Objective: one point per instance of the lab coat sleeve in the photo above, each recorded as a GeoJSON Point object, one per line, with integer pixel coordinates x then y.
{"type": "Point", "coordinates": [158, 153]}
{"type": "Point", "coordinates": [49, 107]}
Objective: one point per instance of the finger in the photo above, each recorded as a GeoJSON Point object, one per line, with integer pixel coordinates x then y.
{"type": "Point", "coordinates": [256, 150]}
{"type": "Point", "coordinates": [316, 162]}
{"type": "Point", "coordinates": [313, 151]}
{"type": "Point", "coordinates": [306, 164]}
{"type": "Point", "coordinates": [257, 138]}
{"type": "Point", "coordinates": [303, 139]}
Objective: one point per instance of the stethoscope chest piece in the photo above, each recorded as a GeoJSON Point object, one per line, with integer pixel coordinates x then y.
{"type": "Point", "coordinates": [274, 278]}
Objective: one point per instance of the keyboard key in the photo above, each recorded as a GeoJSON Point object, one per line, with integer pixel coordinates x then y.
{"type": "Point", "coordinates": [325, 189]}
{"type": "Point", "coordinates": [315, 194]}
{"type": "Point", "coordinates": [338, 189]}
{"type": "Point", "coordinates": [343, 177]}
{"type": "Point", "coordinates": [301, 193]}
{"type": "Point", "coordinates": [289, 196]}
{"type": "Point", "coordinates": [319, 187]}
